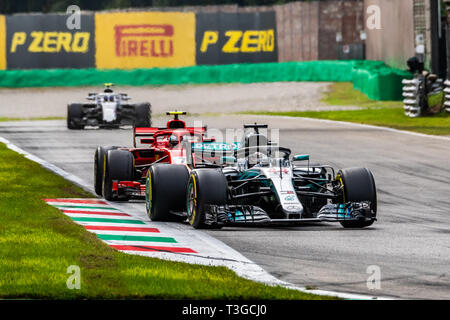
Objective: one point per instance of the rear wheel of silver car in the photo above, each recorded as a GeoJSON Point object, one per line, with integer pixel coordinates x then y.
{"type": "Point", "coordinates": [358, 185]}
{"type": "Point", "coordinates": [205, 187]}
{"type": "Point", "coordinates": [165, 192]}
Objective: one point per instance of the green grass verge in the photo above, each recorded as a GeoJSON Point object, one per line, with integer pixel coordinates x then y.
{"type": "Point", "coordinates": [343, 94]}
{"type": "Point", "coordinates": [38, 243]}
{"type": "Point", "coordinates": [378, 113]}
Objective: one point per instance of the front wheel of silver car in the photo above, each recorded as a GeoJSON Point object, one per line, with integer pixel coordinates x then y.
{"type": "Point", "coordinates": [358, 184]}
{"type": "Point", "coordinates": [205, 187]}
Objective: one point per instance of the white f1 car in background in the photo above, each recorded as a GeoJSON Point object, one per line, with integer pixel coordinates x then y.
{"type": "Point", "coordinates": [108, 109]}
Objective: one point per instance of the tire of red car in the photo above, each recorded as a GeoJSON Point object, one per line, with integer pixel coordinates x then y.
{"type": "Point", "coordinates": [118, 165]}
{"type": "Point", "coordinates": [98, 167]}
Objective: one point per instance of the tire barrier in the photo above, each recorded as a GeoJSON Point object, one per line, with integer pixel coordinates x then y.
{"type": "Point", "coordinates": [436, 97]}
{"type": "Point", "coordinates": [447, 95]}
{"type": "Point", "coordinates": [411, 103]}
{"type": "Point", "coordinates": [423, 95]}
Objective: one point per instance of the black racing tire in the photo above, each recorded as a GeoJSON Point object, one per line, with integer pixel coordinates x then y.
{"type": "Point", "coordinates": [117, 165]}
{"type": "Point", "coordinates": [143, 113]}
{"type": "Point", "coordinates": [165, 191]}
{"type": "Point", "coordinates": [358, 185]}
{"type": "Point", "coordinates": [205, 186]}
{"type": "Point", "coordinates": [99, 156]}
{"type": "Point", "coordinates": [75, 116]}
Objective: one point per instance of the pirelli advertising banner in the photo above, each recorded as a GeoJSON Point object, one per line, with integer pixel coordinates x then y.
{"type": "Point", "coordinates": [129, 40]}
{"type": "Point", "coordinates": [224, 38]}
{"type": "Point", "coordinates": [46, 41]}
{"type": "Point", "coordinates": [2, 43]}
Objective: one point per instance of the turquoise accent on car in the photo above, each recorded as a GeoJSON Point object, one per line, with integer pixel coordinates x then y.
{"type": "Point", "coordinates": [239, 216]}
{"type": "Point", "coordinates": [228, 160]}
{"type": "Point", "coordinates": [249, 174]}
{"type": "Point", "coordinates": [215, 146]}
{"type": "Point", "coordinates": [301, 157]}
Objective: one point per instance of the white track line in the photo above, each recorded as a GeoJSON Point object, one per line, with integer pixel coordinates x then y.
{"type": "Point", "coordinates": [237, 262]}
{"type": "Point", "coordinates": [361, 125]}
{"type": "Point", "coordinates": [66, 175]}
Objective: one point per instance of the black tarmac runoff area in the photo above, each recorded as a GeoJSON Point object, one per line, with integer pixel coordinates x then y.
{"type": "Point", "coordinates": [409, 245]}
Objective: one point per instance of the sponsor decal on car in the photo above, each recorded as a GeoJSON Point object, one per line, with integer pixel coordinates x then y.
{"type": "Point", "coordinates": [289, 198]}
{"type": "Point", "coordinates": [215, 146]}
{"type": "Point", "coordinates": [277, 170]}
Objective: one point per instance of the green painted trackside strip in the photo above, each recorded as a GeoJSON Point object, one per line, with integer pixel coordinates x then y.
{"type": "Point", "coordinates": [135, 238]}
{"type": "Point", "coordinates": [108, 220]}
{"type": "Point", "coordinates": [85, 207]}
{"type": "Point", "coordinates": [374, 78]}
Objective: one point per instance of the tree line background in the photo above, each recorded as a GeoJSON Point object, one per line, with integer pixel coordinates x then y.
{"type": "Point", "coordinates": [15, 6]}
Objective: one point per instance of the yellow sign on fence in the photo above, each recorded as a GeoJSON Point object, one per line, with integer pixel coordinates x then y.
{"type": "Point", "coordinates": [128, 40]}
{"type": "Point", "coordinates": [2, 43]}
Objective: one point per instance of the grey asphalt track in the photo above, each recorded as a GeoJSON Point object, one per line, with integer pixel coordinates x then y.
{"type": "Point", "coordinates": [232, 97]}
{"type": "Point", "coordinates": [410, 243]}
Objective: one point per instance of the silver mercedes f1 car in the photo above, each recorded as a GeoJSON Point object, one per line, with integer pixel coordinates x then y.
{"type": "Point", "coordinates": [256, 182]}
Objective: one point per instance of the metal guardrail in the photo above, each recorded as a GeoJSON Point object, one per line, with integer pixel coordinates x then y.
{"type": "Point", "coordinates": [411, 103]}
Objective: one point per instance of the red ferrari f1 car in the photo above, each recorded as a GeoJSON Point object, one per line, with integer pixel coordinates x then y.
{"type": "Point", "coordinates": [120, 172]}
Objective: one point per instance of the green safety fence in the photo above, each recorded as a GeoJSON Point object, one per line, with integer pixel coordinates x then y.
{"type": "Point", "coordinates": [378, 81]}
{"type": "Point", "coordinates": [374, 78]}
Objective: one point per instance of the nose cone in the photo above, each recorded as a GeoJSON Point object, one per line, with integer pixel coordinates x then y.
{"type": "Point", "coordinates": [293, 211]}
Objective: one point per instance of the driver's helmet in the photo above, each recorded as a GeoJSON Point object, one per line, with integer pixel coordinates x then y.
{"type": "Point", "coordinates": [258, 158]}
{"type": "Point", "coordinates": [108, 98]}
{"type": "Point", "coordinates": [173, 140]}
